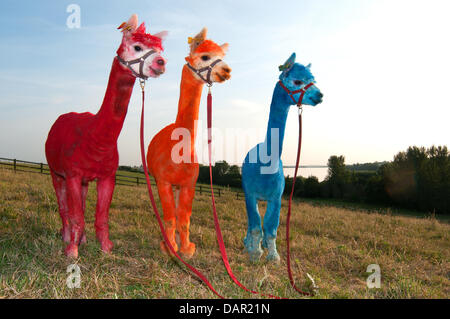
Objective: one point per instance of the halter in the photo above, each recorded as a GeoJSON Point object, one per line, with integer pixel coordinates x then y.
{"type": "Point", "coordinates": [208, 69]}
{"type": "Point", "coordinates": [302, 92]}
{"type": "Point", "coordinates": [141, 62]}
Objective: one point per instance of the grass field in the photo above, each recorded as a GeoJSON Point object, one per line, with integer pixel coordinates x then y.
{"type": "Point", "coordinates": [334, 245]}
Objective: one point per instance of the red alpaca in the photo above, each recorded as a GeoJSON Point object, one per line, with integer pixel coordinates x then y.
{"type": "Point", "coordinates": [204, 64]}
{"type": "Point", "coordinates": [82, 147]}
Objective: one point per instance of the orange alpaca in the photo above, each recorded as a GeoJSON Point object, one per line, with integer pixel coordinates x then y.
{"type": "Point", "coordinates": [204, 65]}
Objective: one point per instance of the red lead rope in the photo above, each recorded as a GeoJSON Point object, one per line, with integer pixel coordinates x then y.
{"type": "Point", "coordinates": [288, 219]}
{"type": "Point", "coordinates": [216, 219]}
{"type": "Point", "coordinates": [155, 209]}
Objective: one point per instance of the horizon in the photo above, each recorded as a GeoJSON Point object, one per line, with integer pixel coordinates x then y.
{"type": "Point", "coordinates": [382, 66]}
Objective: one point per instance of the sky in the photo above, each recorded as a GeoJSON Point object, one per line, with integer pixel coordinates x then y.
{"type": "Point", "coordinates": [382, 65]}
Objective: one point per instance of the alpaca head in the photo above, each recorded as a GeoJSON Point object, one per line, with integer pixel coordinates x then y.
{"type": "Point", "coordinates": [136, 43]}
{"type": "Point", "coordinates": [204, 53]}
{"type": "Point", "coordinates": [296, 76]}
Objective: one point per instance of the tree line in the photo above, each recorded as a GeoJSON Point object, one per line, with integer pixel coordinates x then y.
{"type": "Point", "coordinates": [418, 178]}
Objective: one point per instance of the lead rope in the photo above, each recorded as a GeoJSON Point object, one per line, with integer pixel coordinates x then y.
{"type": "Point", "coordinates": [155, 209]}
{"type": "Point", "coordinates": [288, 219]}
{"type": "Point", "coordinates": [216, 219]}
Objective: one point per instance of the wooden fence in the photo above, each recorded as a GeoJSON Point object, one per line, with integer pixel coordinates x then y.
{"type": "Point", "coordinates": [134, 179]}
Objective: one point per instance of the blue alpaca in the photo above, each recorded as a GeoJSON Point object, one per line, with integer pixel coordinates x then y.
{"type": "Point", "coordinates": [262, 170]}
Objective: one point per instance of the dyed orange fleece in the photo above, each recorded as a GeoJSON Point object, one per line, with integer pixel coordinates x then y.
{"type": "Point", "coordinates": [182, 175]}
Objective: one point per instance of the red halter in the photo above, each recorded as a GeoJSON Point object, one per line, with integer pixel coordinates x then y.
{"type": "Point", "coordinates": [302, 92]}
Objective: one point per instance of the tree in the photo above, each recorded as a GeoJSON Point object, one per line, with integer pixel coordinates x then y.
{"type": "Point", "coordinates": [233, 177]}
{"type": "Point", "coordinates": [338, 176]}
{"type": "Point", "coordinates": [220, 169]}
{"type": "Point", "coordinates": [203, 174]}
{"type": "Point", "coordinates": [336, 167]}
{"type": "Point", "coordinates": [312, 187]}
{"type": "Point", "coordinates": [401, 176]}
{"type": "Point", "coordinates": [420, 179]}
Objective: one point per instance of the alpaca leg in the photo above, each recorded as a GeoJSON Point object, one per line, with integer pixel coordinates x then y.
{"type": "Point", "coordinates": [253, 239]}
{"type": "Point", "coordinates": [61, 196]}
{"type": "Point", "coordinates": [177, 197]}
{"type": "Point", "coordinates": [75, 214]}
{"type": "Point", "coordinates": [168, 205]}
{"type": "Point", "coordinates": [271, 223]}
{"type": "Point", "coordinates": [105, 190]}
{"type": "Point", "coordinates": [84, 190]}
{"type": "Point", "coordinates": [184, 211]}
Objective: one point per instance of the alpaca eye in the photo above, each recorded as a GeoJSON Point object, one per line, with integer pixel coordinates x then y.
{"type": "Point", "coordinates": [137, 48]}
{"type": "Point", "coordinates": [298, 82]}
{"type": "Point", "coordinates": [205, 57]}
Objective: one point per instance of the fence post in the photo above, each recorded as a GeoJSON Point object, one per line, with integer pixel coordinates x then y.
{"type": "Point", "coordinates": [115, 179]}
{"type": "Point", "coordinates": [219, 192]}
{"type": "Point", "coordinates": [15, 165]}
{"type": "Point", "coordinates": [42, 168]}
{"type": "Point", "coordinates": [237, 195]}
{"type": "Point", "coordinates": [200, 189]}
{"type": "Point", "coordinates": [137, 180]}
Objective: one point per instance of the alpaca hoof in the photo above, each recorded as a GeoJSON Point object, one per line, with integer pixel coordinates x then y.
{"type": "Point", "coordinates": [107, 246]}
{"type": "Point", "coordinates": [254, 252]}
{"type": "Point", "coordinates": [72, 251]}
{"type": "Point", "coordinates": [271, 244]}
{"type": "Point", "coordinates": [253, 245]}
{"type": "Point", "coordinates": [65, 234]}
{"type": "Point", "coordinates": [273, 258]}
{"type": "Point", "coordinates": [83, 239]}
{"type": "Point", "coordinates": [255, 255]}
{"type": "Point", "coordinates": [165, 249]}
{"type": "Point", "coordinates": [188, 251]}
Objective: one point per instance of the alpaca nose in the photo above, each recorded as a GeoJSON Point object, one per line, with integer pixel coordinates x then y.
{"type": "Point", "coordinates": [319, 98]}
{"type": "Point", "coordinates": [226, 69]}
{"type": "Point", "coordinates": [160, 62]}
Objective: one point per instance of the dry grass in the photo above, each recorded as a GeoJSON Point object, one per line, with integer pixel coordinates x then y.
{"type": "Point", "coordinates": [334, 245]}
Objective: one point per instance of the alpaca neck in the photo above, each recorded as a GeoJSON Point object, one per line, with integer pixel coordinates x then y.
{"type": "Point", "coordinates": [279, 110]}
{"type": "Point", "coordinates": [190, 95]}
{"type": "Point", "coordinates": [109, 120]}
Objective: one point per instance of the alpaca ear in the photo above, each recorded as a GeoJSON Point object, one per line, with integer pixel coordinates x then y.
{"type": "Point", "coordinates": [202, 34]}
{"type": "Point", "coordinates": [224, 47]}
{"type": "Point", "coordinates": [133, 22]}
{"type": "Point", "coordinates": [292, 58]}
{"type": "Point", "coordinates": [287, 66]}
{"type": "Point", "coordinates": [308, 66]}
{"type": "Point", "coordinates": [130, 26]}
{"type": "Point", "coordinates": [141, 28]}
{"type": "Point", "coordinates": [198, 39]}
{"type": "Point", "coordinates": [162, 35]}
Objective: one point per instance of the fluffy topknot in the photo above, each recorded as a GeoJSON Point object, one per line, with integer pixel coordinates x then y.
{"type": "Point", "coordinates": [146, 38]}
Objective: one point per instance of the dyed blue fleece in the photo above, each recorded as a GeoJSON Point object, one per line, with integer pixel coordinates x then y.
{"type": "Point", "coordinates": [262, 170]}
